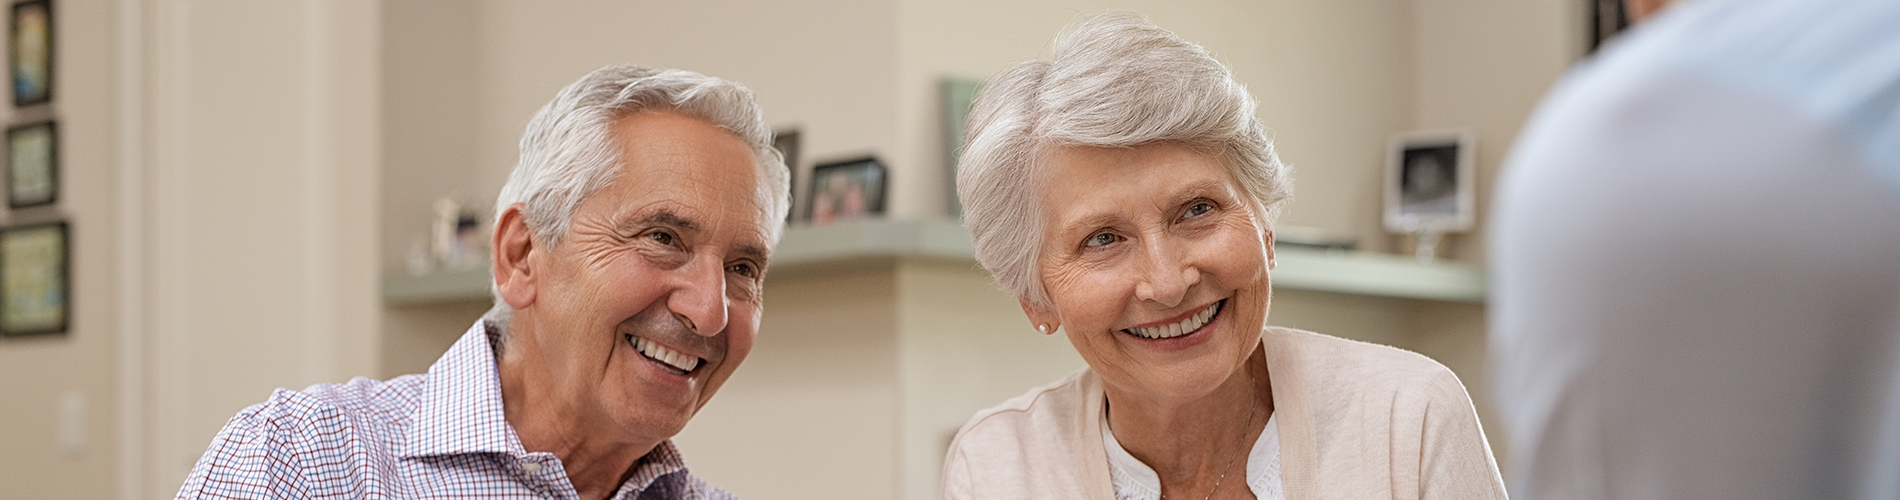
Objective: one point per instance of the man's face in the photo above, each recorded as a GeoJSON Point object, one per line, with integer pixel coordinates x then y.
{"type": "Point", "coordinates": [652, 297]}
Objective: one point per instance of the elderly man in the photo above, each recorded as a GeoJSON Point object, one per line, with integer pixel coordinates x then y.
{"type": "Point", "coordinates": [630, 243]}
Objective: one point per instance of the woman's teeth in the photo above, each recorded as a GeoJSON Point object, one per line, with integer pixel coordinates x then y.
{"type": "Point", "coordinates": [657, 352]}
{"type": "Point", "coordinates": [1185, 327]}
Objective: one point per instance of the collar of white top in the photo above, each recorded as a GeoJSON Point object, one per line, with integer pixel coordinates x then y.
{"type": "Point", "coordinates": [1263, 466]}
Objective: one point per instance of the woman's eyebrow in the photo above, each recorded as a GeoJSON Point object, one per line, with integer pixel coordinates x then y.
{"type": "Point", "coordinates": [1090, 222]}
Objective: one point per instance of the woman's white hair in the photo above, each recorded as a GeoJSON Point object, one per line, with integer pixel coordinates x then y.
{"type": "Point", "coordinates": [568, 152]}
{"type": "Point", "coordinates": [1117, 81]}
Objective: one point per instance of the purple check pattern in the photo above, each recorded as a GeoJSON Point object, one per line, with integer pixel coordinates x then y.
{"type": "Point", "coordinates": [437, 435]}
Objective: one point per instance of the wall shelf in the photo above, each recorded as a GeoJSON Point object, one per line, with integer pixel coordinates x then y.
{"type": "Point", "coordinates": [807, 249]}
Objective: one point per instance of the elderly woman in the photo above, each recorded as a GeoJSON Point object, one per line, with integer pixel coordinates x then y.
{"type": "Point", "coordinates": [1125, 193]}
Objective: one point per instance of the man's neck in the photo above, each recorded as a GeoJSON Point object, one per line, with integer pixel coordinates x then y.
{"type": "Point", "coordinates": [545, 422]}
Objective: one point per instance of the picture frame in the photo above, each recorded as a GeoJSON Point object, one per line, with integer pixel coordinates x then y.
{"type": "Point", "coordinates": [32, 156]}
{"type": "Point", "coordinates": [31, 52]}
{"type": "Point", "coordinates": [788, 143]}
{"type": "Point", "coordinates": [35, 279]}
{"type": "Point", "coordinates": [1430, 182]}
{"type": "Point", "coordinates": [846, 190]}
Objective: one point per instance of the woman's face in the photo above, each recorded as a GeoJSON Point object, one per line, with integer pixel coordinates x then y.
{"type": "Point", "coordinates": [1155, 261]}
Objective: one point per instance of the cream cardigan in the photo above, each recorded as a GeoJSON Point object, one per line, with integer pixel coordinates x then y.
{"type": "Point", "coordinates": [1356, 421]}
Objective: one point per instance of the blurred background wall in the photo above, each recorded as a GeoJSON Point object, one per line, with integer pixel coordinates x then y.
{"type": "Point", "coordinates": [240, 176]}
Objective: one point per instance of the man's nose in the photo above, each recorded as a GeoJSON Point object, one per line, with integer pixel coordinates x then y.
{"type": "Point", "coordinates": [699, 296]}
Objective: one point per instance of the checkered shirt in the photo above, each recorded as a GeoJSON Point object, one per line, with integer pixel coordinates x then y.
{"type": "Point", "coordinates": [437, 435]}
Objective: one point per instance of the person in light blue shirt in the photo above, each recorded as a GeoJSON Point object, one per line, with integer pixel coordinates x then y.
{"type": "Point", "coordinates": [1696, 261]}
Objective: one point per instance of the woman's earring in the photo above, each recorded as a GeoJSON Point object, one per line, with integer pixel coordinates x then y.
{"type": "Point", "coordinates": [1044, 329]}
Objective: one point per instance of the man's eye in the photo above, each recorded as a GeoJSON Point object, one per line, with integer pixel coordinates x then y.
{"type": "Point", "coordinates": [1101, 239]}
{"type": "Point", "coordinates": [663, 238]}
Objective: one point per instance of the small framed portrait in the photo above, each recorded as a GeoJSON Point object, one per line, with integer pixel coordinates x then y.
{"type": "Point", "coordinates": [787, 143]}
{"type": "Point", "coordinates": [35, 279]}
{"type": "Point", "coordinates": [1429, 182]}
{"type": "Point", "coordinates": [846, 190]}
{"type": "Point", "coordinates": [32, 165]}
{"type": "Point", "coordinates": [31, 32]}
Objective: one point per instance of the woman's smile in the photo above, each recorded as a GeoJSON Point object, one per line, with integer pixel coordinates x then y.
{"type": "Point", "coordinates": [1178, 326]}
{"type": "Point", "coordinates": [1194, 330]}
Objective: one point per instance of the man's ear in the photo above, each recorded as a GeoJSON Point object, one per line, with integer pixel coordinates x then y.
{"type": "Point", "coordinates": [1045, 322]}
{"type": "Point", "coordinates": [514, 244]}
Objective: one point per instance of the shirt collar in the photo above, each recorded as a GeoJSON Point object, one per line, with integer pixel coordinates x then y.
{"type": "Point", "coordinates": [461, 408]}
{"type": "Point", "coordinates": [657, 471]}
{"type": "Point", "coordinates": [1263, 464]}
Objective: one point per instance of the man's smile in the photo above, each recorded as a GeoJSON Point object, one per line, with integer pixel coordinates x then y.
{"type": "Point", "coordinates": [673, 361]}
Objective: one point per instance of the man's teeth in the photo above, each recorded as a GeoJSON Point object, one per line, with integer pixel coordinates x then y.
{"type": "Point", "coordinates": [1186, 326]}
{"type": "Point", "coordinates": [660, 353]}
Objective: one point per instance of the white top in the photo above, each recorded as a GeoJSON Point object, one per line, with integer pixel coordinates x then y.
{"type": "Point", "coordinates": [1352, 420]}
{"type": "Point", "coordinates": [1134, 480]}
{"type": "Point", "coordinates": [1696, 261]}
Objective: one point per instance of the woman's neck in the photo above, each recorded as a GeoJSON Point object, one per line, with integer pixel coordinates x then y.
{"type": "Point", "coordinates": [1191, 443]}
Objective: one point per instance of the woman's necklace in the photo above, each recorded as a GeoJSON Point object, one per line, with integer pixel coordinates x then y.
{"type": "Point", "coordinates": [1253, 410]}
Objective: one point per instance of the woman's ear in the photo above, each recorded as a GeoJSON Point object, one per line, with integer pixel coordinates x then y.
{"type": "Point", "coordinates": [1045, 322]}
{"type": "Point", "coordinates": [1270, 262]}
{"type": "Point", "coordinates": [514, 245]}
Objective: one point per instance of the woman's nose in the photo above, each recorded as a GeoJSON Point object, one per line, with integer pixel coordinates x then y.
{"type": "Point", "coordinates": [1167, 276]}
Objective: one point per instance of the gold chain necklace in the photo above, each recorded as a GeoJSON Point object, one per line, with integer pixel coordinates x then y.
{"type": "Point", "coordinates": [1253, 410]}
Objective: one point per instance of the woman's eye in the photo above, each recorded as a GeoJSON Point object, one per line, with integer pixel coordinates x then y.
{"type": "Point", "coordinates": [1101, 239]}
{"type": "Point", "coordinates": [1199, 208]}
{"type": "Point", "coordinates": [743, 269]}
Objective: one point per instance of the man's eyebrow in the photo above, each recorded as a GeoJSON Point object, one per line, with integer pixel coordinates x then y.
{"type": "Point", "coordinates": [664, 217]}
{"type": "Point", "coordinates": [751, 251]}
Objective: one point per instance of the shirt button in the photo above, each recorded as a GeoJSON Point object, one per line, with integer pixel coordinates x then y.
{"type": "Point", "coordinates": [531, 467]}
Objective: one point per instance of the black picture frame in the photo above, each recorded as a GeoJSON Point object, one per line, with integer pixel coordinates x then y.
{"type": "Point", "coordinates": [846, 190]}
{"type": "Point", "coordinates": [32, 52]}
{"type": "Point", "coordinates": [32, 157]}
{"type": "Point", "coordinates": [35, 279]}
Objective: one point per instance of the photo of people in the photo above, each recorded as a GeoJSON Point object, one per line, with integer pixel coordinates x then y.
{"type": "Point", "coordinates": [846, 191]}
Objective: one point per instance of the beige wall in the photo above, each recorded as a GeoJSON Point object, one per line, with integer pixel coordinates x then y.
{"type": "Point", "coordinates": [36, 373]}
{"type": "Point", "coordinates": [260, 209]}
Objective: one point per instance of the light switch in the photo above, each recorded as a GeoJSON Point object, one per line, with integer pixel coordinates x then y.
{"type": "Point", "coordinates": [72, 424]}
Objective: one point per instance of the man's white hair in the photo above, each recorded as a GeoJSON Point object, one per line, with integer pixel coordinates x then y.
{"type": "Point", "coordinates": [1118, 81]}
{"type": "Point", "coordinates": [568, 152]}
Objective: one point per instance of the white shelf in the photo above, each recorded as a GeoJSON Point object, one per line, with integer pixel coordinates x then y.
{"type": "Point", "coordinates": [807, 249]}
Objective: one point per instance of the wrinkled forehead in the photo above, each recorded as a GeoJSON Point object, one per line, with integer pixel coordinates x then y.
{"type": "Point", "coordinates": [698, 175]}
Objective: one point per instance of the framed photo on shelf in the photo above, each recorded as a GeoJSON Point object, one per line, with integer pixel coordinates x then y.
{"type": "Point", "coordinates": [31, 56]}
{"type": "Point", "coordinates": [32, 164]}
{"type": "Point", "coordinates": [1430, 182]}
{"type": "Point", "coordinates": [35, 279]}
{"type": "Point", "coordinates": [846, 190]}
